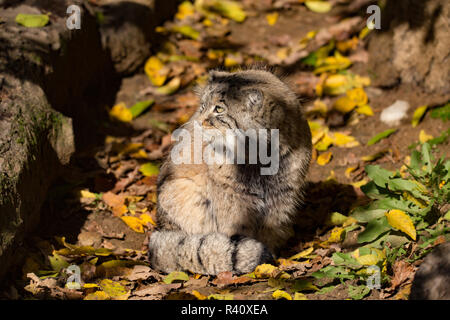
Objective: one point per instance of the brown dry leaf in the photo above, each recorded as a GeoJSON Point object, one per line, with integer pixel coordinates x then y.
{"type": "Point", "coordinates": [403, 273]}
{"type": "Point", "coordinates": [116, 202]}
{"type": "Point", "coordinates": [141, 272]}
{"type": "Point", "coordinates": [226, 278]}
{"type": "Point", "coordinates": [156, 291]}
{"type": "Point", "coordinates": [48, 288]}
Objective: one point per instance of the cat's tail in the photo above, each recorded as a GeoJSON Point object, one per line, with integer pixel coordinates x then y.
{"type": "Point", "coordinates": [210, 253]}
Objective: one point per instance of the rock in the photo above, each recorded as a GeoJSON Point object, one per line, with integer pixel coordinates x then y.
{"type": "Point", "coordinates": [396, 112]}
{"type": "Point", "coordinates": [46, 104]}
{"type": "Point", "coordinates": [432, 280]}
{"type": "Point", "coordinates": [127, 29]}
{"type": "Point", "coordinates": [412, 47]}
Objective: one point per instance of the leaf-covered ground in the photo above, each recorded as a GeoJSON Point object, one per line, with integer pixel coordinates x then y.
{"type": "Point", "coordinates": [377, 198]}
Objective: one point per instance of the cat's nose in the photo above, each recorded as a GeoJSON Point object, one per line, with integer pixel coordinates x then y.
{"type": "Point", "coordinates": [207, 123]}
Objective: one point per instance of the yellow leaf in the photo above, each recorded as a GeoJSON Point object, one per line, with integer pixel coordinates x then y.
{"type": "Point", "coordinates": [283, 53]}
{"type": "Point", "coordinates": [364, 32]}
{"type": "Point", "coordinates": [114, 289]}
{"type": "Point", "coordinates": [344, 104]}
{"type": "Point", "coordinates": [404, 293]}
{"type": "Point", "coordinates": [336, 84]}
{"type": "Point", "coordinates": [149, 169]}
{"type": "Point", "coordinates": [374, 156]}
{"type": "Point", "coordinates": [323, 143]}
{"type": "Point", "coordinates": [198, 295]}
{"type": "Point", "coordinates": [324, 158]}
{"type": "Point", "coordinates": [358, 95]}
{"type": "Point", "coordinates": [423, 137]}
{"type": "Point", "coordinates": [370, 259]}
{"type": "Point", "coordinates": [90, 285]}
{"type": "Point", "coordinates": [186, 31]}
{"type": "Point", "coordinates": [226, 8]}
{"type": "Point", "coordinates": [349, 170]}
{"type": "Point", "coordinates": [176, 276]}
{"type": "Point", "coordinates": [272, 18]}
{"type": "Point", "coordinates": [318, 6]}
{"type": "Point", "coordinates": [171, 87]}
{"type": "Point", "coordinates": [280, 294]}
{"type": "Point", "coordinates": [364, 109]}
{"type": "Point", "coordinates": [134, 223]}
{"type": "Point", "coordinates": [336, 235]}
{"type": "Point", "coordinates": [338, 62]}
{"type": "Point", "coordinates": [207, 22]}
{"type": "Point", "coordinates": [146, 219]}
{"type": "Point", "coordinates": [85, 193]}
{"type": "Point", "coordinates": [155, 71]}
{"type": "Point", "coordinates": [141, 154]}
{"type": "Point", "coordinates": [398, 219]}
{"type": "Point", "coordinates": [300, 296]}
{"type": "Point", "coordinates": [418, 114]}
{"type": "Point", "coordinates": [121, 112]}
{"type": "Point", "coordinates": [344, 140]}
{"type": "Point", "coordinates": [97, 295]}
{"type": "Point", "coordinates": [302, 254]}
{"type": "Point", "coordinates": [185, 9]}
{"type": "Point", "coordinates": [265, 270]}
{"type": "Point", "coordinates": [359, 183]}
{"type": "Point", "coordinates": [332, 176]}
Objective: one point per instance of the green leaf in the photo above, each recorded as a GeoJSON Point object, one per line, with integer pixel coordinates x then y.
{"type": "Point", "coordinates": [140, 107]}
{"type": "Point", "coordinates": [367, 213]}
{"type": "Point", "coordinates": [374, 229]}
{"type": "Point", "coordinates": [345, 259]}
{"type": "Point", "coordinates": [176, 276]}
{"type": "Point", "coordinates": [32, 20]}
{"type": "Point", "coordinates": [381, 136]}
{"type": "Point", "coordinates": [57, 262]}
{"type": "Point", "coordinates": [359, 292]}
{"type": "Point", "coordinates": [442, 112]}
{"type": "Point", "coordinates": [379, 175]}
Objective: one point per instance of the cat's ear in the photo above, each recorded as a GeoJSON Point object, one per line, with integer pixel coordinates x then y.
{"type": "Point", "coordinates": [254, 98]}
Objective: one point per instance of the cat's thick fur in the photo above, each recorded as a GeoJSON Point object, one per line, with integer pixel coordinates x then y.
{"type": "Point", "coordinates": [229, 217]}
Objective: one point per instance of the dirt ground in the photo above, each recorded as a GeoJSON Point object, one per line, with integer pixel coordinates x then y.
{"type": "Point", "coordinates": [112, 169]}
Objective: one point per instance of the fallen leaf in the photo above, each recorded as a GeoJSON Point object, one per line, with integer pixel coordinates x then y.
{"type": "Point", "coordinates": [318, 6]}
{"type": "Point", "coordinates": [171, 87]}
{"type": "Point", "coordinates": [381, 136]}
{"type": "Point", "coordinates": [280, 294]}
{"type": "Point", "coordinates": [185, 9]}
{"type": "Point", "coordinates": [418, 114]}
{"type": "Point", "coordinates": [226, 8]}
{"type": "Point", "coordinates": [302, 254]}
{"type": "Point", "coordinates": [134, 223]}
{"type": "Point", "coordinates": [114, 289]}
{"type": "Point", "coordinates": [138, 108]}
{"type": "Point", "coordinates": [300, 296]}
{"type": "Point", "coordinates": [324, 158]}
{"type": "Point", "coordinates": [186, 31]}
{"type": "Point", "coordinates": [424, 137]}
{"type": "Point", "coordinates": [121, 112]}
{"type": "Point", "coordinates": [403, 273]}
{"type": "Point", "coordinates": [32, 20]}
{"type": "Point", "coordinates": [149, 169]}
{"type": "Point", "coordinates": [176, 276]}
{"type": "Point", "coordinates": [401, 221]}
{"type": "Point", "coordinates": [272, 18]}
{"type": "Point", "coordinates": [155, 71]}
{"type": "Point", "coordinates": [97, 295]}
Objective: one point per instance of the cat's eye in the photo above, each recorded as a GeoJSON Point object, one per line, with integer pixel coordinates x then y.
{"type": "Point", "coordinates": [219, 109]}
